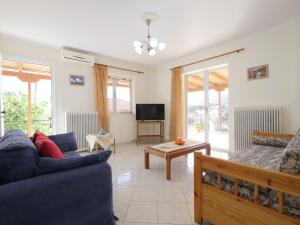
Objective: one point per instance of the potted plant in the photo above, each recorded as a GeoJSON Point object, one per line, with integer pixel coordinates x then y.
{"type": "Point", "coordinates": [199, 125]}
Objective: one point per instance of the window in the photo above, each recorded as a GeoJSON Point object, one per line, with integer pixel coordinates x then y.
{"type": "Point", "coordinates": [119, 95]}
{"type": "Point", "coordinates": [25, 91]}
{"type": "Point", "coordinates": [110, 95]}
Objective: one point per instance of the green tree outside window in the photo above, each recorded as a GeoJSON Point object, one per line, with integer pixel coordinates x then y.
{"type": "Point", "coordinates": [15, 105]}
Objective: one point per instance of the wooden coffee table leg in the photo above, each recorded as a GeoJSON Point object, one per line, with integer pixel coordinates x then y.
{"type": "Point", "coordinates": [207, 147]}
{"type": "Point", "coordinates": [146, 158]}
{"type": "Point", "coordinates": [168, 168]}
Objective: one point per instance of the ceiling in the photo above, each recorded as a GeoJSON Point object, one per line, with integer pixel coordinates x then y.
{"type": "Point", "coordinates": [109, 27]}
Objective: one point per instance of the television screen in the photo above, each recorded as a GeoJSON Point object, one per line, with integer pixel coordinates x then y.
{"type": "Point", "coordinates": [150, 112]}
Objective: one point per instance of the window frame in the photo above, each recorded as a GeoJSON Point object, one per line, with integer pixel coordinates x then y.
{"type": "Point", "coordinates": [53, 72]}
{"type": "Point", "coordinates": [114, 80]}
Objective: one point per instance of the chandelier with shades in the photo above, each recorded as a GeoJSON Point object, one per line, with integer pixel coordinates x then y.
{"type": "Point", "coordinates": [151, 44]}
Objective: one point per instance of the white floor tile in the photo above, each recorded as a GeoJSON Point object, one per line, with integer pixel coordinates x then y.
{"type": "Point", "coordinates": [120, 209]}
{"type": "Point", "coordinates": [130, 172]}
{"type": "Point", "coordinates": [123, 193]}
{"type": "Point", "coordinates": [174, 213]}
{"type": "Point", "coordinates": [142, 212]}
{"type": "Point", "coordinates": [145, 197]}
{"type": "Point", "coordinates": [147, 182]}
{"type": "Point", "coordinates": [145, 194]}
{"type": "Point", "coordinates": [170, 195]}
{"type": "Point", "coordinates": [126, 223]}
{"type": "Point", "coordinates": [124, 180]}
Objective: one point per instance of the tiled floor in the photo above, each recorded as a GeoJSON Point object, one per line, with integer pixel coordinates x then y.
{"type": "Point", "coordinates": [145, 197]}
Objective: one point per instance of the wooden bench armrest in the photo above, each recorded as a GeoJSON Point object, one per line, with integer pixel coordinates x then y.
{"type": "Point", "coordinates": [208, 206]}
{"type": "Point", "coordinates": [275, 135]}
{"type": "Point", "coordinates": [275, 180]}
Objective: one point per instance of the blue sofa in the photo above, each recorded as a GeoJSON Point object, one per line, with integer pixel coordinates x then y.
{"type": "Point", "coordinates": [43, 191]}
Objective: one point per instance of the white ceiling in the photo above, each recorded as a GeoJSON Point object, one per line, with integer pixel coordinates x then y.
{"type": "Point", "coordinates": [109, 27]}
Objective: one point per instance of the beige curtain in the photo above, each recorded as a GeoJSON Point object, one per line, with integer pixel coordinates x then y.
{"type": "Point", "coordinates": [101, 96]}
{"type": "Point", "coordinates": [177, 112]}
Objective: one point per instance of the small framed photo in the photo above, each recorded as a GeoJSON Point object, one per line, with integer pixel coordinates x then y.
{"type": "Point", "coordinates": [77, 80]}
{"type": "Point", "coordinates": [258, 72]}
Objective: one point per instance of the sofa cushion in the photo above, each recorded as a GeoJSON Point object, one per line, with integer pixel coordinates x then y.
{"type": "Point", "coordinates": [46, 147]}
{"type": "Point", "coordinates": [290, 160]}
{"type": "Point", "coordinates": [18, 157]}
{"type": "Point", "coordinates": [71, 154]}
{"type": "Point", "coordinates": [50, 165]}
{"type": "Point", "coordinates": [66, 142]}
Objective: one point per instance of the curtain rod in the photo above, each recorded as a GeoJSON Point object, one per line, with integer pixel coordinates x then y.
{"type": "Point", "coordinates": [213, 57]}
{"type": "Point", "coordinates": [120, 68]}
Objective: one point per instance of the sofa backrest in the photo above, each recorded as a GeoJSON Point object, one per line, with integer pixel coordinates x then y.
{"type": "Point", "coordinates": [290, 160]}
{"type": "Point", "coordinates": [66, 142]}
{"type": "Point", "coordinates": [18, 157]}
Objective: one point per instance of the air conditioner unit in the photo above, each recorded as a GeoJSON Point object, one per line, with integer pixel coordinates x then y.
{"type": "Point", "coordinates": [71, 56]}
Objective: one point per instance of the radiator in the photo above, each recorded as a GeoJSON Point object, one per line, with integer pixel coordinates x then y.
{"type": "Point", "coordinates": [248, 119]}
{"type": "Point", "coordinates": [81, 123]}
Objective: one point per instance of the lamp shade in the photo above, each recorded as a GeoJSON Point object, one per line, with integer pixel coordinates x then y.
{"type": "Point", "coordinates": [161, 46]}
{"type": "Point", "coordinates": [138, 50]}
{"type": "Point", "coordinates": [153, 42]}
{"type": "Point", "coordinates": [137, 44]}
{"type": "Point", "coordinates": [152, 52]}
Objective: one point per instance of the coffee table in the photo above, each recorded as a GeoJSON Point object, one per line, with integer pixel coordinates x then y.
{"type": "Point", "coordinates": [170, 150]}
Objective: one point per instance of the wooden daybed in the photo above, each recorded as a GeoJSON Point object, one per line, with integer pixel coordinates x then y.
{"type": "Point", "coordinates": [221, 207]}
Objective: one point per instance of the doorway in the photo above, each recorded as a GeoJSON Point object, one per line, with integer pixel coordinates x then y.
{"type": "Point", "coordinates": [207, 112]}
{"type": "Point", "coordinates": [25, 97]}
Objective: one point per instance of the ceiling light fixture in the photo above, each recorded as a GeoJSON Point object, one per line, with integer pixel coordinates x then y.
{"type": "Point", "coordinates": [150, 45]}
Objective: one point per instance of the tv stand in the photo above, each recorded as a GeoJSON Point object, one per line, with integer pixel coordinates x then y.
{"type": "Point", "coordinates": [140, 136]}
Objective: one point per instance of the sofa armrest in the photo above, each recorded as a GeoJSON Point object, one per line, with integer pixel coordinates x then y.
{"type": "Point", "coordinates": [66, 142]}
{"type": "Point", "coordinates": [81, 196]}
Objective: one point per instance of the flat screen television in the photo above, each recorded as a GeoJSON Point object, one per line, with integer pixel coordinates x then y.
{"type": "Point", "coordinates": [150, 112]}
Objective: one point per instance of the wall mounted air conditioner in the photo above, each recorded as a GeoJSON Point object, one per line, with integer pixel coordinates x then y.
{"type": "Point", "coordinates": [71, 56]}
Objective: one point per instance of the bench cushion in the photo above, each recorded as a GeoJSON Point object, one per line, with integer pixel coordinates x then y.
{"type": "Point", "coordinates": [290, 160]}
{"type": "Point", "coordinates": [264, 156]}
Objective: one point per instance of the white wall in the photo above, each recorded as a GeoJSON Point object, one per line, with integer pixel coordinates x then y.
{"type": "Point", "coordinates": [278, 47]}
{"type": "Point", "coordinates": [79, 99]}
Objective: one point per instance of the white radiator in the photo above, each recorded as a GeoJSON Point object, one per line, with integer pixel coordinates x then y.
{"type": "Point", "coordinates": [81, 123]}
{"type": "Point", "coordinates": [246, 120]}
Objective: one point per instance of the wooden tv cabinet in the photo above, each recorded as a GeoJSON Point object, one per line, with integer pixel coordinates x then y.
{"type": "Point", "coordinates": [139, 136]}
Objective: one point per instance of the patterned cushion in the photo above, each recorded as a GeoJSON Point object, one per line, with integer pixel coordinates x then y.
{"type": "Point", "coordinates": [259, 155]}
{"type": "Point", "coordinates": [290, 161]}
{"type": "Point", "coordinates": [270, 141]}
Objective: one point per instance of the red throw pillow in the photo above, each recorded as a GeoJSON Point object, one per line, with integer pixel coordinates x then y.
{"type": "Point", "coordinates": [46, 147]}
{"type": "Point", "coordinates": [37, 133]}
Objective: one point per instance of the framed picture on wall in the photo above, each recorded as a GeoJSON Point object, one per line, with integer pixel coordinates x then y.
{"type": "Point", "coordinates": [77, 80]}
{"type": "Point", "coordinates": [258, 72]}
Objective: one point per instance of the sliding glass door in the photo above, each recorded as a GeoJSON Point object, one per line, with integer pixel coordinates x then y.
{"type": "Point", "coordinates": [195, 107]}
{"type": "Point", "coordinates": [25, 97]}
{"type": "Point", "coordinates": [207, 107]}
